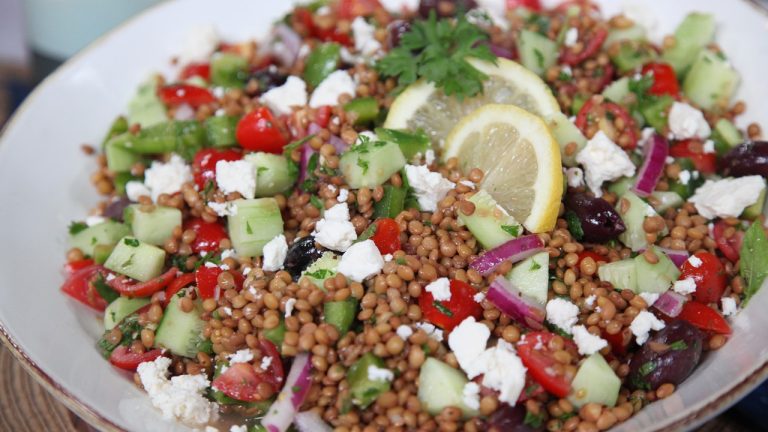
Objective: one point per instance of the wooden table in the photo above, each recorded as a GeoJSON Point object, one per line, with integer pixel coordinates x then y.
{"type": "Point", "coordinates": [26, 407]}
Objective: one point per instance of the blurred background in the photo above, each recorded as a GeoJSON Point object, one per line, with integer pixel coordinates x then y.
{"type": "Point", "coordinates": [36, 36]}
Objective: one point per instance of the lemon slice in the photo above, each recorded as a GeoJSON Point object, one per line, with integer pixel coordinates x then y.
{"type": "Point", "coordinates": [520, 159]}
{"type": "Point", "coordinates": [422, 106]}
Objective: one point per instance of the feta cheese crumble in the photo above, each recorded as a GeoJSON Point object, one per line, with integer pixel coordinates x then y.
{"type": "Point", "coordinates": [470, 395]}
{"type": "Point", "coordinates": [343, 195]}
{"type": "Point", "coordinates": [241, 356]}
{"type": "Point", "coordinates": [695, 261]}
{"type": "Point", "coordinates": [562, 313]}
{"type": "Point", "coordinates": [238, 428]}
{"type": "Point", "coordinates": [684, 177]}
{"type": "Point", "coordinates": [223, 209]}
{"type": "Point", "coordinates": [589, 301]}
{"type": "Point", "coordinates": [650, 298]}
{"type": "Point", "coordinates": [281, 100]}
{"type": "Point", "coordinates": [479, 297]}
{"type": "Point", "coordinates": [496, 10]}
{"type": "Point", "coordinates": [709, 146]}
{"type": "Point", "coordinates": [167, 178]}
{"type": "Point", "coordinates": [404, 331]}
{"type": "Point", "coordinates": [275, 252]}
{"type": "Point", "coordinates": [575, 177]}
{"type": "Point", "coordinates": [334, 231]}
{"type": "Point", "coordinates": [266, 361]}
{"type": "Point", "coordinates": [399, 6]}
{"type": "Point", "coordinates": [440, 289]}
{"type": "Point", "coordinates": [361, 260]}
{"type": "Point", "coordinates": [467, 341]}
{"type": "Point", "coordinates": [332, 87]}
{"type": "Point", "coordinates": [727, 197]}
{"type": "Point", "coordinates": [236, 176]}
{"type": "Point", "coordinates": [587, 342]}
{"type": "Point", "coordinates": [685, 286]}
{"type": "Point", "coordinates": [502, 370]}
{"type": "Point", "coordinates": [429, 158]}
{"type": "Point", "coordinates": [431, 331]}
{"type": "Point", "coordinates": [199, 44]}
{"type": "Point", "coordinates": [687, 122]}
{"type": "Point", "coordinates": [376, 373]}
{"type": "Point", "coordinates": [729, 306]}
{"type": "Point", "coordinates": [643, 323]}
{"type": "Point", "coordinates": [603, 161]}
{"type": "Point", "coordinates": [135, 190]}
{"type": "Point", "coordinates": [571, 36]}
{"type": "Point", "coordinates": [365, 41]}
{"type": "Point", "coordinates": [289, 306]}
{"type": "Point", "coordinates": [94, 220]}
{"type": "Point", "coordinates": [430, 187]}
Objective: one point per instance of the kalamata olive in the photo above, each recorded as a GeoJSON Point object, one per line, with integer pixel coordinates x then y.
{"type": "Point", "coordinates": [750, 158]}
{"type": "Point", "coordinates": [509, 419]}
{"type": "Point", "coordinates": [300, 255]}
{"type": "Point", "coordinates": [269, 78]}
{"type": "Point", "coordinates": [115, 209]}
{"type": "Point", "coordinates": [592, 219]}
{"type": "Point", "coordinates": [445, 8]}
{"type": "Point", "coordinates": [668, 357]}
{"type": "Point", "coordinates": [395, 30]}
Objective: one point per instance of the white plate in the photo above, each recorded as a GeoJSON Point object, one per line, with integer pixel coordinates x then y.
{"type": "Point", "coordinates": [44, 185]}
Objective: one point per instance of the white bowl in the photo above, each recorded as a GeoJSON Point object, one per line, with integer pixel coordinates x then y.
{"type": "Point", "coordinates": [44, 184]}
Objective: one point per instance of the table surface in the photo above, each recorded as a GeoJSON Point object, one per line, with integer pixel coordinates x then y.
{"type": "Point", "coordinates": [32, 409]}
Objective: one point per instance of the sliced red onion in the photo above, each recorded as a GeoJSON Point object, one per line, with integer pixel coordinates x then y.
{"type": "Point", "coordinates": [677, 256]}
{"type": "Point", "coordinates": [502, 52]}
{"type": "Point", "coordinates": [670, 303]}
{"type": "Point", "coordinates": [655, 154]}
{"type": "Point", "coordinates": [339, 144]}
{"type": "Point", "coordinates": [514, 250]}
{"type": "Point", "coordinates": [291, 45]}
{"type": "Point", "coordinates": [283, 411]}
{"type": "Point", "coordinates": [313, 128]}
{"type": "Point", "coordinates": [184, 112]}
{"type": "Point", "coordinates": [510, 301]}
{"type": "Point", "coordinates": [306, 154]}
{"type": "Point", "coordinates": [310, 421]}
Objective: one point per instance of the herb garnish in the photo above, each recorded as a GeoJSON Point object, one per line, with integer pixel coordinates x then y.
{"type": "Point", "coordinates": [76, 227]}
{"type": "Point", "coordinates": [443, 310]}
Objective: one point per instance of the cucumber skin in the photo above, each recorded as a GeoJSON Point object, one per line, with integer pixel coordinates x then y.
{"type": "Point", "coordinates": [531, 277]}
{"type": "Point", "coordinates": [142, 262]}
{"type": "Point", "coordinates": [634, 33]}
{"type": "Point", "coordinates": [486, 221]}
{"type": "Point", "coordinates": [634, 236]}
{"type": "Point", "coordinates": [565, 132]}
{"type": "Point", "coordinates": [229, 70]}
{"type": "Point", "coordinates": [340, 314]}
{"type": "Point", "coordinates": [154, 227]}
{"type": "Point", "coordinates": [596, 381]}
{"type": "Point", "coordinates": [146, 108]}
{"type": "Point", "coordinates": [274, 173]}
{"type": "Point", "coordinates": [256, 223]}
{"type": "Point", "coordinates": [537, 53]}
{"type": "Point", "coordinates": [621, 274]}
{"type": "Point", "coordinates": [371, 164]}
{"type": "Point", "coordinates": [363, 390]}
{"type": "Point", "coordinates": [179, 331]}
{"type": "Point", "coordinates": [655, 278]}
{"type": "Point", "coordinates": [276, 335]}
{"type": "Point", "coordinates": [119, 158]}
{"type": "Point", "coordinates": [121, 308]}
{"type": "Point", "coordinates": [106, 233]}
{"type": "Point", "coordinates": [220, 131]}
{"type": "Point", "coordinates": [441, 386]}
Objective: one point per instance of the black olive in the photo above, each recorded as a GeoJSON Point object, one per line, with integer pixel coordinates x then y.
{"type": "Point", "coordinates": [445, 8]}
{"type": "Point", "coordinates": [510, 419]}
{"type": "Point", "coordinates": [750, 158]}
{"type": "Point", "coordinates": [592, 219]}
{"type": "Point", "coordinates": [269, 78]}
{"type": "Point", "coordinates": [395, 30]}
{"type": "Point", "coordinates": [300, 255]}
{"type": "Point", "coordinates": [116, 208]}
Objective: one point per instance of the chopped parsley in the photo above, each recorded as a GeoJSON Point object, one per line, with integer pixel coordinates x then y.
{"type": "Point", "coordinates": [539, 58]}
{"type": "Point", "coordinates": [105, 291]}
{"type": "Point", "coordinates": [248, 228]}
{"type": "Point", "coordinates": [320, 274]}
{"type": "Point", "coordinates": [535, 266]}
{"type": "Point", "coordinates": [574, 225]}
{"type": "Point", "coordinates": [443, 310]}
{"type": "Point", "coordinates": [678, 345]}
{"type": "Point", "coordinates": [368, 233]}
{"type": "Point", "coordinates": [362, 163]}
{"type": "Point", "coordinates": [647, 368]}
{"type": "Point", "coordinates": [76, 227]}
{"type": "Point", "coordinates": [260, 170]}
{"type": "Point", "coordinates": [132, 242]}
{"type": "Point", "coordinates": [317, 202]}
{"type": "Point", "coordinates": [513, 230]}
{"type": "Point", "coordinates": [533, 420]}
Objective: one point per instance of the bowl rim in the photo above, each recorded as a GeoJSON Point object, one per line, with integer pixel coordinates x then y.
{"type": "Point", "coordinates": [94, 418]}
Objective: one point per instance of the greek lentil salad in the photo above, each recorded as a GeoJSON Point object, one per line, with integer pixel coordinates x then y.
{"type": "Point", "coordinates": [425, 215]}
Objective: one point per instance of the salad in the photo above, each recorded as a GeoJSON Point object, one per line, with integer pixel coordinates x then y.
{"type": "Point", "coordinates": [422, 215]}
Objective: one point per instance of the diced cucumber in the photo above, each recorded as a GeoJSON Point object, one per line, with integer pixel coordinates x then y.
{"type": "Point", "coordinates": [229, 70]}
{"type": "Point", "coordinates": [752, 212]}
{"type": "Point", "coordinates": [182, 137]}
{"type": "Point", "coordinates": [322, 269]}
{"type": "Point", "coordinates": [391, 204]}
{"type": "Point", "coordinates": [634, 33]}
{"type": "Point", "coordinates": [658, 277]}
{"type": "Point", "coordinates": [340, 314]}
{"type": "Point", "coordinates": [711, 82]}
{"type": "Point", "coordinates": [565, 132]}
{"type": "Point", "coordinates": [101, 253]}
{"type": "Point", "coordinates": [728, 132]}
{"type": "Point", "coordinates": [119, 126]}
{"type": "Point", "coordinates": [621, 274]}
{"type": "Point", "coordinates": [146, 108]}
{"type": "Point", "coordinates": [190, 138]}
{"type": "Point", "coordinates": [489, 223]}
{"type": "Point", "coordinates": [595, 382]}
{"type": "Point", "coordinates": [537, 52]}
{"type": "Point", "coordinates": [321, 62]}
{"type": "Point", "coordinates": [106, 233]}
{"type": "Point", "coordinates": [179, 331]}
{"type": "Point", "coordinates": [276, 335]}
{"type": "Point", "coordinates": [622, 185]}
{"type": "Point", "coordinates": [274, 173]}
{"type": "Point", "coordinates": [695, 32]}
{"type": "Point", "coordinates": [363, 389]}
{"type": "Point", "coordinates": [121, 308]}
{"type": "Point", "coordinates": [618, 90]}
{"type": "Point", "coordinates": [153, 227]}
{"type": "Point", "coordinates": [122, 178]}
{"type": "Point", "coordinates": [119, 158]}
{"type": "Point", "coordinates": [441, 386]}
{"type": "Point", "coordinates": [256, 222]}
{"type": "Point", "coordinates": [578, 101]}
{"type": "Point", "coordinates": [220, 130]}
{"type": "Point", "coordinates": [370, 164]}
{"type": "Point", "coordinates": [365, 109]}
{"type": "Point", "coordinates": [655, 112]}
{"type": "Point", "coordinates": [531, 276]}
{"type": "Point", "coordinates": [632, 55]}
{"type": "Point", "coordinates": [666, 200]}
{"type": "Point", "coordinates": [635, 213]}
{"type": "Point", "coordinates": [136, 259]}
{"type": "Point", "coordinates": [411, 143]}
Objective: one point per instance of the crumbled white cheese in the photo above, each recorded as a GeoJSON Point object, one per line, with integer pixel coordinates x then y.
{"type": "Point", "coordinates": [709, 146]}
{"type": "Point", "coordinates": [467, 341]}
{"type": "Point", "coordinates": [333, 86]}
{"type": "Point", "coordinates": [467, 183]}
{"type": "Point", "coordinates": [502, 370]}
{"type": "Point", "coordinates": [266, 361]}
{"type": "Point", "coordinates": [199, 44]}
{"type": "Point", "coordinates": [430, 187]}
{"type": "Point", "coordinates": [224, 267]}
{"type": "Point", "coordinates": [727, 197]}
{"type": "Point", "coordinates": [431, 331]}
{"type": "Point", "coordinates": [361, 260]}
{"type": "Point", "coordinates": [388, 257]}
{"type": "Point", "coordinates": [181, 397]}
{"type": "Point", "coordinates": [238, 428]}
{"type": "Point", "coordinates": [589, 301]}
{"type": "Point", "coordinates": [228, 311]}
{"type": "Point", "coordinates": [429, 158]}
{"type": "Point", "coordinates": [167, 178]}
{"type": "Point", "coordinates": [571, 36]}
{"type": "Point", "coordinates": [404, 331]}
{"type": "Point", "coordinates": [334, 231]}
{"type": "Point", "coordinates": [223, 209]}
{"type": "Point", "coordinates": [210, 264]}
{"type": "Point", "coordinates": [687, 122]}
{"type": "Point", "coordinates": [228, 253]}
{"type": "Point", "coordinates": [496, 10]}
{"type": "Point", "coordinates": [470, 395]}
{"type": "Point", "coordinates": [440, 289]}
{"type": "Point", "coordinates": [575, 177]}
{"type": "Point", "coordinates": [685, 286]}
{"type": "Point", "coordinates": [364, 35]}
{"type": "Point", "coordinates": [343, 195]}
{"type": "Point", "coordinates": [376, 373]}
{"type": "Point", "coordinates": [645, 136]}
{"type": "Point", "coordinates": [695, 261]}
{"type": "Point", "coordinates": [603, 161]}
{"type": "Point", "coordinates": [643, 323]}
{"type": "Point", "coordinates": [94, 220]}
{"type": "Point", "coordinates": [236, 176]}
{"type": "Point", "coordinates": [650, 298]}
{"type": "Point", "coordinates": [669, 160]}
{"type": "Point", "coordinates": [479, 297]}
{"type": "Point", "coordinates": [275, 252]}
{"type": "Point", "coordinates": [684, 177]}
{"type": "Point", "coordinates": [111, 277]}
{"type": "Point", "coordinates": [568, 71]}
{"type": "Point", "coordinates": [242, 356]}
{"type": "Point", "coordinates": [282, 99]}
{"type": "Point", "coordinates": [587, 342]}
{"type": "Point", "coordinates": [289, 304]}
{"type": "Point", "coordinates": [135, 189]}
{"type": "Point", "coordinates": [562, 313]}
{"type": "Point", "coordinates": [729, 306]}
{"type": "Point", "coordinates": [399, 6]}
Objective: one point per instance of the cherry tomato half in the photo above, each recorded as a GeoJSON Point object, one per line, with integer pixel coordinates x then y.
{"type": "Point", "coordinates": [729, 246]}
{"type": "Point", "coordinates": [204, 164]}
{"type": "Point", "coordinates": [241, 381]}
{"type": "Point", "coordinates": [597, 112]}
{"type": "Point", "coordinates": [177, 94]}
{"type": "Point", "coordinates": [709, 276]}
{"type": "Point", "coordinates": [208, 235]}
{"type": "Point", "coordinates": [387, 236]}
{"type": "Point", "coordinates": [123, 358]}
{"type": "Point", "coordinates": [207, 279]}
{"type": "Point", "coordinates": [449, 314]}
{"type": "Point", "coordinates": [79, 287]}
{"type": "Point", "coordinates": [202, 70]}
{"type": "Point", "coordinates": [350, 9]}
{"type": "Point", "coordinates": [74, 266]}
{"type": "Point", "coordinates": [596, 38]}
{"type": "Point", "coordinates": [534, 5]}
{"type": "Point", "coordinates": [540, 362]}
{"type": "Point", "coordinates": [176, 286]}
{"type": "Point", "coordinates": [704, 317]}
{"type": "Point", "coordinates": [619, 342]}
{"type": "Point", "coordinates": [664, 79]}
{"type": "Point", "coordinates": [122, 284]}
{"type": "Point", "coordinates": [594, 255]}
{"type": "Point", "coordinates": [693, 149]}
{"type": "Point", "coordinates": [259, 131]}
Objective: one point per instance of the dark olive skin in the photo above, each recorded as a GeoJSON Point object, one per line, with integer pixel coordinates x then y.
{"type": "Point", "coordinates": [395, 30]}
{"type": "Point", "coordinates": [300, 255]}
{"type": "Point", "coordinates": [670, 356]}
{"type": "Point", "coordinates": [750, 158]}
{"type": "Point", "coordinates": [445, 8]}
{"type": "Point", "coordinates": [269, 78]}
{"type": "Point", "coordinates": [116, 208]}
{"type": "Point", "coordinates": [600, 222]}
{"type": "Point", "coordinates": [509, 419]}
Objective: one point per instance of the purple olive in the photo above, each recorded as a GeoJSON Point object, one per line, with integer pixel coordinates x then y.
{"type": "Point", "coordinates": [750, 158]}
{"type": "Point", "coordinates": [668, 357]}
{"type": "Point", "coordinates": [592, 219]}
{"type": "Point", "coordinates": [445, 8]}
{"type": "Point", "coordinates": [395, 30]}
{"type": "Point", "coordinates": [300, 255]}
{"type": "Point", "coordinates": [116, 208]}
{"type": "Point", "coordinates": [269, 78]}
{"type": "Point", "coordinates": [509, 419]}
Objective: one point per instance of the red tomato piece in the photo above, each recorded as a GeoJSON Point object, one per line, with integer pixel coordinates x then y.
{"type": "Point", "coordinates": [534, 5]}
{"type": "Point", "coordinates": [177, 284]}
{"type": "Point", "coordinates": [619, 342]}
{"type": "Point", "coordinates": [592, 46]}
{"type": "Point", "coordinates": [74, 266]}
{"type": "Point", "coordinates": [240, 381]}
{"type": "Point", "coordinates": [704, 317]}
{"type": "Point", "coordinates": [387, 236]}
{"type": "Point", "coordinates": [202, 70]}
{"type": "Point", "coordinates": [259, 131]}
{"type": "Point", "coordinates": [275, 372]}
{"type": "Point", "coordinates": [333, 34]}
{"type": "Point", "coordinates": [323, 116]}
{"type": "Point", "coordinates": [664, 79]}
{"type": "Point", "coordinates": [208, 235]}
{"type": "Point", "coordinates": [540, 362]}
{"type": "Point", "coordinates": [592, 112]}
{"type": "Point", "coordinates": [123, 358]}
{"type": "Point", "coordinates": [79, 287]}
{"type": "Point", "coordinates": [207, 279]}
{"type": "Point", "coordinates": [594, 255]}
{"type": "Point", "coordinates": [449, 314]}
{"type": "Point", "coordinates": [350, 9]}
{"type": "Point", "coordinates": [729, 246]}
{"type": "Point", "coordinates": [177, 94]}
{"type": "Point", "coordinates": [204, 164]}
{"type": "Point", "coordinates": [122, 284]}
{"type": "Point", "coordinates": [693, 150]}
{"type": "Point", "coordinates": [709, 276]}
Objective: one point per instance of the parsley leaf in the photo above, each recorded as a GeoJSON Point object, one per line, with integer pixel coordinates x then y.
{"type": "Point", "coordinates": [678, 345]}
{"type": "Point", "coordinates": [533, 420]}
{"type": "Point", "coordinates": [753, 266]}
{"type": "Point", "coordinates": [362, 163]}
{"type": "Point", "coordinates": [368, 233]}
{"type": "Point", "coordinates": [574, 225]}
{"type": "Point", "coordinates": [647, 368]}
{"type": "Point", "coordinates": [437, 50]}
{"type": "Point", "coordinates": [105, 291]}
{"type": "Point", "coordinates": [317, 202]}
{"type": "Point", "coordinates": [132, 242]}
{"type": "Point", "coordinates": [76, 227]}
{"type": "Point", "coordinates": [442, 308]}
{"type": "Point", "coordinates": [320, 274]}
{"type": "Point", "coordinates": [535, 266]}
{"type": "Point", "coordinates": [513, 230]}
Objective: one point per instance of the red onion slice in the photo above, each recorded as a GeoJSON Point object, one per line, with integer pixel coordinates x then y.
{"type": "Point", "coordinates": [655, 155]}
{"type": "Point", "coordinates": [292, 43]}
{"type": "Point", "coordinates": [502, 52]}
{"type": "Point", "coordinates": [283, 411]}
{"type": "Point", "coordinates": [306, 154]}
{"type": "Point", "coordinates": [670, 304]}
{"type": "Point", "coordinates": [339, 144]}
{"type": "Point", "coordinates": [510, 301]}
{"type": "Point", "coordinates": [677, 256]}
{"type": "Point", "coordinates": [514, 250]}
{"type": "Point", "coordinates": [310, 421]}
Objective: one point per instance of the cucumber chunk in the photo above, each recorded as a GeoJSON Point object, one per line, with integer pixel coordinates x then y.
{"type": "Point", "coordinates": [392, 203]}
{"type": "Point", "coordinates": [755, 210]}
{"type": "Point", "coordinates": [256, 222]}
{"type": "Point", "coordinates": [146, 108]}
{"type": "Point", "coordinates": [658, 277]}
{"type": "Point", "coordinates": [634, 214]}
{"type": "Point", "coordinates": [695, 32]}
{"type": "Point", "coordinates": [531, 276]}
{"type": "Point", "coordinates": [617, 91]}
{"type": "Point", "coordinates": [120, 159]}
{"type": "Point", "coordinates": [411, 143]}
{"type": "Point", "coordinates": [565, 132]}
{"type": "Point", "coordinates": [322, 269]}
{"type": "Point", "coordinates": [537, 52]}
{"type": "Point", "coordinates": [371, 163]}
{"type": "Point", "coordinates": [632, 55]}
{"type": "Point", "coordinates": [728, 133]}
{"type": "Point", "coordinates": [229, 70]}
{"type": "Point", "coordinates": [153, 227]}
{"type": "Point", "coordinates": [136, 259]}
{"type": "Point", "coordinates": [107, 233]}
{"type": "Point", "coordinates": [363, 389]}
{"type": "Point", "coordinates": [490, 223]}
{"type": "Point", "coordinates": [665, 200]}
{"type": "Point", "coordinates": [621, 274]}
{"type": "Point", "coordinates": [634, 33]}
{"type": "Point", "coordinates": [711, 82]}
{"type": "Point", "coordinates": [340, 314]}
{"type": "Point", "coordinates": [121, 308]}
{"type": "Point", "coordinates": [101, 253]}
{"type": "Point", "coordinates": [655, 113]}
{"type": "Point", "coordinates": [622, 185]}
{"type": "Point", "coordinates": [179, 331]}
{"type": "Point", "coordinates": [276, 335]}
{"type": "Point", "coordinates": [274, 173]}
{"type": "Point", "coordinates": [119, 126]}
{"type": "Point", "coordinates": [595, 382]}
{"type": "Point", "coordinates": [442, 386]}
{"type": "Point", "coordinates": [220, 130]}
{"type": "Point", "coordinates": [365, 109]}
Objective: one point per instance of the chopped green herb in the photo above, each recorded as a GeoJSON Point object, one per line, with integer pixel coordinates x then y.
{"type": "Point", "coordinates": [533, 420]}
{"type": "Point", "coordinates": [132, 242]}
{"type": "Point", "coordinates": [401, 261]}
{"type": "Point", "coordinates": [363, 164]}
{"type": "Point", "coordinates": [296, 389]}
{"type": "Point", "coordinates": [678, 345]}
{"type": "Point", "coordinates": [248, 228]}
{"type": "Point", "coordinates": [647, 368]}
{"type": "Point", "coordinates": [443, 310]}
{"type": "Point", "coordinates": [368, 233]}
{"type": "Point", "coordinates": [128, 262]}
{"type": "Point", "coordinates": [321, 274]}
{"type": "Point", "coordinates": [315, 200]}
{"type": "Point", "coordinates": [539, 58]}
{"type": "Point", "coordinates": [289, 148]}
{"type": "Point", "coordinates": [563, 76]}
{"type": "Point", "coordinates": [76, 227]}
{"type": "Point", "coordinates": [535, 266]}
{"type": "Point", "coordinates": [574, 225]}
{"type": "Point", "coordinates": [753, 265]}
{"type": "Point", "coordinates": [260, 170]}
{"type": "Point", "coordinates": [105, 291]}
{"type": "Point", "coordinates": [513, 230]}
{"type": "Point", "coordinates": [209, 185]}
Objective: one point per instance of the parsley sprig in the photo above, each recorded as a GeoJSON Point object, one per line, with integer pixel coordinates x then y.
{"type": "Point", "coordinates": [437, 50]}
